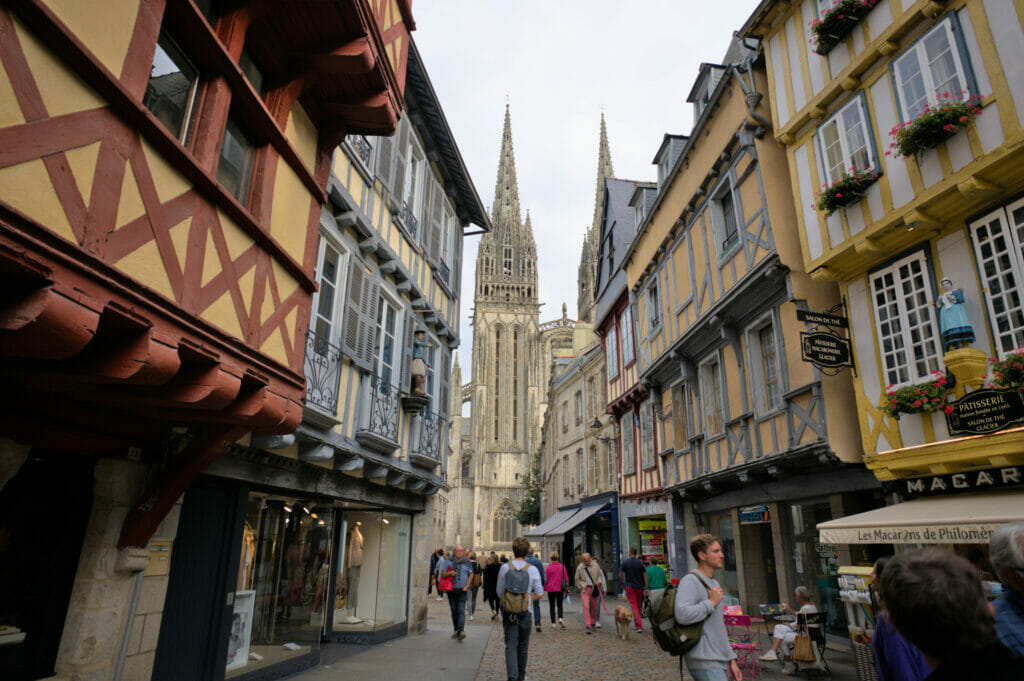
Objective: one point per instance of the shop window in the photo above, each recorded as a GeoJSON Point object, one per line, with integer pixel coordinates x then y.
{"type": "Point", "coordinates": [908, 335]}
{"type": "Point", "coordinates": [814, 564]}
{"type": "Point", "coordinates": [933, 68]}
{"type": "Point", "coordinates": [845, 141]}
{"type": "Point", "coordinates": [171, 91]}
{"type": "Point", "coordinates": [505, 526]}
{"type": "Point", "coordinates": [611, 351]}
{"type": "Point", "coordinates": [626, 324]}
{"type": "Point", "coordinates": [282, 590]}
{"type": "Point", "coordinates": [999, 245]}
{"type": "Point", "coordinates": [234, 169]}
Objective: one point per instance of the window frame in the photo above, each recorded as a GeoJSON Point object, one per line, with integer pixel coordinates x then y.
{"type": "Point", "coordinates": [611, 351]}
{"type": "Point", "coordinates": [1009, 230]}
{"type": "Point", "coordinates": [715, 388]}
{"type": "Point", "coordinates": [958, 47]}
{"type": "Point", "coordinates": [389, 299]}
{"type": "Point", "coordinates": [629, 462]}
{"type": "Point", "coordinates": [763, 406]}
{"type": "Point", "coordinates": [338, 308]}
{"type": "Point", "coordinates": [627, 336]}
{"type": "Point", "coordinates": [859, 100]}
{"type": "Point", "coordinates": [188, 119]}
{"type": "Point", "coordinates": [653, 304]}
{"type": "Point", "coordinates": [928, 289]}
{"type": "Point", "coordinates": [245, 184]}
{"type": "Point", "coordinates": [727, 185]}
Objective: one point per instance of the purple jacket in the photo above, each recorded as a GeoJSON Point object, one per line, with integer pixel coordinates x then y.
{"type": "Point", "coordinates": [896, 659]}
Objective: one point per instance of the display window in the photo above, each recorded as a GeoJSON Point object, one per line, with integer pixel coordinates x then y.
{"type": "Point", "coordinates": [371, 584]}
{"type": "Point", "coordinates": [654, 541]}
{"type": "Point", "coordinates": [815, 564]}
{"type": "Point", "coordinates": [282, 583]}
{"type": "Point", "coordinates": [730, 581]}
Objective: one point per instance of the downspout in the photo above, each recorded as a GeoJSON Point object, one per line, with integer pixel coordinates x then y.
{"type": "Point", "coordinates": [752, 96]}
{"type": "Point", "coordinates": [126, 634]}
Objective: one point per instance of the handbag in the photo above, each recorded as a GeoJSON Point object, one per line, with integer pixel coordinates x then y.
{"type": "Point", "coordinates": [803, 649]}
{"type": "Point", "coordinates": [444, 584]}
{"type": "Point", "coordinates": [478, 580]}
{"type": "Point", "coordinates": [565, 583]}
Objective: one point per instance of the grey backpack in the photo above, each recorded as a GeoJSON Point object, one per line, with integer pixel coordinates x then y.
{"type": "Point", "coordinates": [515, 600]}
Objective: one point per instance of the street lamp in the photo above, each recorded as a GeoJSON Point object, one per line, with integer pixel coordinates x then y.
{"type": "Point", "coordinates": [596, 427]}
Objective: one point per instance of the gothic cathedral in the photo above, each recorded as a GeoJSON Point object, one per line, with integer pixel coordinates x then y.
{"type": "Point", "coordinates": [512, 357]}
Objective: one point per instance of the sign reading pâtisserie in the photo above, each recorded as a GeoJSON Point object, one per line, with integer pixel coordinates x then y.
{"type": "Point", "coordinates": [985, 411]}
{"type": "Point", "coordinates": [826, 349]}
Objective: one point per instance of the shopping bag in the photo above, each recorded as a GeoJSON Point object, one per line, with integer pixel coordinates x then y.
{"type": "Point", "coordinates": [803, 649]}
{"type": "Point", "coordinates": [567, 600]}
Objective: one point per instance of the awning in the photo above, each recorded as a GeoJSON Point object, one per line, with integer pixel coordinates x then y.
{"type": "Point", "coordinates": [959, 519]}
{"type": "Point", "coordinates": [585, 511]}
{"type": "Point", "coordinates": [554, 521]}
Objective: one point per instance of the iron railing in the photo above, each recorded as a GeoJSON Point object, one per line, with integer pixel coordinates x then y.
{"type": "Point", "coordinates": [431, 429]}
{"type": "Point", "coordinates": [408, 218]}
{"type": "Point", "coordinates": [362, 147]}
{"type": "Point", "coordinates": [382, 409]}
{"type": "Point", "coordinates": [322, 367]}
{"type": "Point", "coordinates": [443, 271]}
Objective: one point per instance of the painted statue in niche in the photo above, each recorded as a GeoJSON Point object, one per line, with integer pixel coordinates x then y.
{"type": "Point", "coordinates": [954, 323]}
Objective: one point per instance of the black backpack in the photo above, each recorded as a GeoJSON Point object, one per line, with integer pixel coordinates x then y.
{"type": "Point", "coordinates": [671, 636]}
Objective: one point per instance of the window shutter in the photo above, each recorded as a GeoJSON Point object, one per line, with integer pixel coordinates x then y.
{"type": "Point", "coordinates": [385, 148]}
{"type": "Point", "coordinates": [410, 328]}
{"type": "Point", "coordinates": [436, 215]}
{"type": "Point", "coordinates": [401, 159]}
{"type": "Point", "coordinates": [446, 379]}
{"type": "Point", "coordinates": [456, 274]}
{"type": "Point", "coordinates": [354, 320]}
{"type": "Point", "coordinates": [368, 327]}
{"type": "Point", "coordinates": [647, 434]}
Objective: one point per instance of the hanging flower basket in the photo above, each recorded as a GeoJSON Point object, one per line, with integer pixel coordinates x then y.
{"type": "Point", "coordinates": [935, 124]}
{"type": "Point", "coordinates": [837, 21]}
{"type": "Point", "coordinates": [844, 191]}
{"type": "Point", "coordinates": [923, 398]}
{"type": "Point", "coordinates": [1008, 373]}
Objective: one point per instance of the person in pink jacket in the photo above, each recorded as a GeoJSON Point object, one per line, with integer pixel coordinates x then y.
{"type": "Point", "coordinates": [554, 576]}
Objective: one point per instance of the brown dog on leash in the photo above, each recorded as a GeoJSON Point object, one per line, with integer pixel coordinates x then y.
{"type": "Point", "coordinates": [623, 618]}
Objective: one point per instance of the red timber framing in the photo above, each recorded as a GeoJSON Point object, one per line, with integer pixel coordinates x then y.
{"type": "Point", "coordinates": [94, 360]}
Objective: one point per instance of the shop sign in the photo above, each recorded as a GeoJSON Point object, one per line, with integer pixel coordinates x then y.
{"type": "Point", "coordinates": [822, 319]}
{"type": "Point", "coordinates": [970, 481]}
{"type": "Point", "coordinates": [985, 411]}
{"type": "Point", "coordinates": [826, 350]}
{"type": "Point", "coordinates": [752, 515]}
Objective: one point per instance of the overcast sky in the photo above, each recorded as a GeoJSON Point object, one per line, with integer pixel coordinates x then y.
{"type": "Point", "coordinates": [561, 63]}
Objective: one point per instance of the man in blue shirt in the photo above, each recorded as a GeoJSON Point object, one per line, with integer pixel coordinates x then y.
{"type": "Point", "coordinates": [517, 627]}
{"type": "Point", "coordinates": [534, 560]}
{"type": "Point", "coordinates": [1006, 551]}
{"type": "Point", "coordinates": [459, 569]}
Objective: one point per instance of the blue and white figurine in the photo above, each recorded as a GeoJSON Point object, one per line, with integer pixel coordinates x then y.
{"type": "Point", "coordinates": [954, 323]}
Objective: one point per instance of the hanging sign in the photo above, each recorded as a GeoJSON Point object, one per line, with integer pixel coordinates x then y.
{"type": "Point", "coordinates": [968, 481]}
{"type": "Point", "coordinates": [825, 349]}
{"type": "Point", "coordinates": [822, 319]}
{"type": "Point", "coordinates": [985, 411]}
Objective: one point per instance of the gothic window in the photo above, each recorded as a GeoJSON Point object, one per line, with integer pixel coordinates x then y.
{"type": "Point", "coordinates": [466, 461]}
{"type": "Point", "coordinates": [506, 267]}
{"type": "Point", "coordinates": [497, 377]}
{"type": "Point", "coordinates": [515, 383]}
{"type": "Point", "coordinates": [505, 525]}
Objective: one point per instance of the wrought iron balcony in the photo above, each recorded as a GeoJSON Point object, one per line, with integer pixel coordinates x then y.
{"type": "Point", "coordinates": [408, 218]}
{"type": "Point", "coordinates": [362, 147]}
{"type": "Point", "coordinates": [322, 367]}
{"type": "Point", "coordinates": [427, 451]}
{"type": "Point", "coordinates": [443, 271]}
{"type": "Point", "coordinates": [378, 415]}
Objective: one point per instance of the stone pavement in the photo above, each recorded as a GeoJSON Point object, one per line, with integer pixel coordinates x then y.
{"type": "Point", "coordinates": [555, 654]}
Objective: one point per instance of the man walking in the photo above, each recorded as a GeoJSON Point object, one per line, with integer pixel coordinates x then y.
{"type": "Point", "coordinates": [633, 574]}
{"type": "Point", "coordinates": [936, 601]}
{"type": "Point", "coordinates": [699, 598]}
{"type": "Point", "coordinates": [534, 560]}
{"type": "Point", "coordinates": [590, 582]}
{"type": "Point", "coordinates": [517, 625]}
{"type": "Point", "coordinates": [1006, 551]}
{"type": "Point", "coordinates": [459, 569]}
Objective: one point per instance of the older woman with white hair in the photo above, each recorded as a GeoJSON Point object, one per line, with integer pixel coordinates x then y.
{"type": "Point", "coordinates": [785, 634]}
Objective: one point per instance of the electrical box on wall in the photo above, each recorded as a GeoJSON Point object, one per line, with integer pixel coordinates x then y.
{"type": "Point", "coordinates": [159, 558]}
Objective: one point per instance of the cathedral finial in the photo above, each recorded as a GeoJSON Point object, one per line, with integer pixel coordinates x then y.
{"type": "Point", "coordinates": [565, 312]}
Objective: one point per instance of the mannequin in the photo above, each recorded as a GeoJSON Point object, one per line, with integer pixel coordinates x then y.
{"type": "Point", "coordinates": [245, 563]}
{"type": "Point", "coordinates": [353, 563]}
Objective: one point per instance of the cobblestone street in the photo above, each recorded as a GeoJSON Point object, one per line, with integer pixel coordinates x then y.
{"type": "Point", "coordinates": [571, 655]}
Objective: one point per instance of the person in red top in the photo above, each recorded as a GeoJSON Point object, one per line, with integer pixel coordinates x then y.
{"type": "Point", "coordinates": [633, 574]}
{"type": "Point", "coordinates": [554, 576]}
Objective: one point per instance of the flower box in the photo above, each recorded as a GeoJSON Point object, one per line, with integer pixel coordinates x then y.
{"type": "Point", "coordinates": [1008, 373]}
{"type": "Point", "coordinates": [844, 191]}
{"type": "Point", "coordinates": [923, 398]}
{"type": "Point", "coordinates": [837, 21]}
{"type": "Point", "coordinates": [935, 125]}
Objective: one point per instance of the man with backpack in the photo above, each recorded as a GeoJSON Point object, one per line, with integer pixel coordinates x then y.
{"type": "Point", "coordinates": [699, 600]}
{"type": "Point", "coordinates": [518, 587]}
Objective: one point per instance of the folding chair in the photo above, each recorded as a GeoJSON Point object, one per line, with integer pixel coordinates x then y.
{"type": "Point", "coordinates": [746, 644]}
{"type": "Point", "coordinates": [814, 625]}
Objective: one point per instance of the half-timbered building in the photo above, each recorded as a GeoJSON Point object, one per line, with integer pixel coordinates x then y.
{"type": "Point", "coordinates": [758, 444]}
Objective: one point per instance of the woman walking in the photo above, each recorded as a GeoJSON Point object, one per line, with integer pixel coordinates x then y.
{"type": "Point", "coordinates": [556, 576]}
{"type": "Point", "coordinates": [491, 583]}
{"type": "Point", "coordinates": [475, 582]}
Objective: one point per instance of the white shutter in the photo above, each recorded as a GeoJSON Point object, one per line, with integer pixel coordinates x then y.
{"type": "Point", "coordinates": [410, 328]}
{"type": "Point", "coordinates": [446, 379]}
{"type": "Point", "coordinates": [1000, 251]}
{"type": "Point", "coordinates": [385, 149]}
{"type": "Point", "coordinates": [433, 238]}
{"type": "Point", "coordinates": [401, 160]}
{"type": "Point", "coordinates": [355, 320]}
{"type": "Point", "coordinates": [368, 327]}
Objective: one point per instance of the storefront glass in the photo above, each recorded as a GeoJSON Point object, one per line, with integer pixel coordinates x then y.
{"type": "Point", "coordinates": [730, 577]}
{"type": "Point", "coordinates": [283, 568]}
{"type": "Point", "coordinates": [371, 571]}
{"type": "Point", "coordinates": [814, 564]}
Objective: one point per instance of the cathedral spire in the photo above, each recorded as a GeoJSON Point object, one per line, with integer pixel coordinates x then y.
{"type": "Point", "coordinates": [587, 278]}
{"type": "Point", "coordinates": [505, 214]}
{"type": "Point", "coordinates": [604, 171]}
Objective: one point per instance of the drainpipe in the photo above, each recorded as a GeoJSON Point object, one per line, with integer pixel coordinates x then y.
{"type": "Point", "coordinates": [752, 96]}
{"type": "Point", "coordinates": [130, 559]}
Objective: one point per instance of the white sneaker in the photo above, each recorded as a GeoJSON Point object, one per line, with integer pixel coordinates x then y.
{"type": "Point", "coordinates": [770, 656]}
{"type": "Point", "coordinates": [597, 625]}
{"type": "Point", "coordinates": [470, 618]}
{"type": "Point", "coordinates": [561, 623]}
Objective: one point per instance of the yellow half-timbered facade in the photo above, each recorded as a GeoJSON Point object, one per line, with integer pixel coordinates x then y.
{"type": "Point", "coordinates": [755, 443]}
{"type": "Point", "coordinates": [925, 101]}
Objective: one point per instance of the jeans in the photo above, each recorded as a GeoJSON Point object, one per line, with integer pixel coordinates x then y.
{"type": "Point", "coordinates": [536, 613]}
{"type": "Point", "coordinates": [635, 596]}
{"type": "Point", "coordinates": [457, 603]}
{"type": "Point", "coordinates": [517, 643]}
{"type": "Point", "coordinates": [720, 674]}
{"type": "Point", "coordinates": [554, 601]}
{"type": "Point", "coordinates": [473, 591]}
